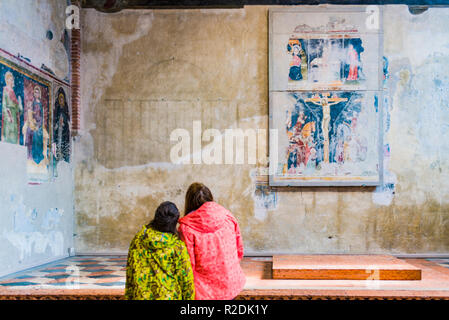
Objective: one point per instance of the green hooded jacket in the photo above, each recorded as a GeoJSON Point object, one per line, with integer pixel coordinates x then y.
{"type": "Point", "coordinates": [158, 267]}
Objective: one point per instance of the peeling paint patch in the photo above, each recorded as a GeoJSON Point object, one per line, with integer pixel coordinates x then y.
{"type": "Point", "coordinates": [26, 236]}
{"type": "Point", "coordinates": [264, 199]}
{"type": "Point", "coordinates": [30, 243]}
{"type": "Point", "coordinates": [24, 219]}
{"type": "Point", "coordinates": [384, 194]}
{"type": "Point", "coordinates": [52, 219]}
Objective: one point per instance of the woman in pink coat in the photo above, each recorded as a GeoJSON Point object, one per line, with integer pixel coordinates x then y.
{"type": "Point", "coordinates": [215, 246]}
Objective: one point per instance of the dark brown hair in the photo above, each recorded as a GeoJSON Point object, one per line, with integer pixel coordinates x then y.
{"type": "Point", "coordinates": [165, 218]}
{"type": "Point", "coordinates": [196, 196]}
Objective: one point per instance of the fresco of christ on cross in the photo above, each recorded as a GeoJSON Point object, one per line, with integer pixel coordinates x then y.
{"type": "Point", "coordinates": [325, 102]}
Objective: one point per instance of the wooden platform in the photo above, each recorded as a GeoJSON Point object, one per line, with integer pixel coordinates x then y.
{"type": "Point", "coordinates": [343, 267]}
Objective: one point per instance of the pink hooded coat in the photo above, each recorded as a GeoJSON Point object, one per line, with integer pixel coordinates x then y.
{"type": "Point", "coordinates": [215, 247]}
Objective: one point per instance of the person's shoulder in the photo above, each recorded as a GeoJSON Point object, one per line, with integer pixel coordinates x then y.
{"type": "Point", "coordinates": [229, 215]}
{"type": "Point", "coordinates": [142, 231]}
{"type": "Point", "coordinates": [185, 225]}
{"type": "Point", "coordinates": [138, 235]}
{"type": "Point", "coordinates": [179, 244]}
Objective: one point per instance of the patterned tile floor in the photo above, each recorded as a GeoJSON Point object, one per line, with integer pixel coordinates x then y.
{"type": "Point", "coordinates": [80, 272]}
{"type": "Point", "coordinates": [86, 272]}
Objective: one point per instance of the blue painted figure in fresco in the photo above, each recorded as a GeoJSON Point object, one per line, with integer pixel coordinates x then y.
{"type": "Point", "coordinates": [11, 109]}
{"type": "Point", "coordinates": [298, 64]}
{"type": "Point", "coordinates": [33, 128]}
{"type": "Point", "coordinates": [292, 159]}
{"type": "Point", "coordinates": [321, 129]}
{"type": "Point", "coordinates": [61, 127]}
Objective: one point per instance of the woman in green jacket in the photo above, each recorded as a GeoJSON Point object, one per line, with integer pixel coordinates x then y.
{"type": "Point", "coordinates": [158, 266]}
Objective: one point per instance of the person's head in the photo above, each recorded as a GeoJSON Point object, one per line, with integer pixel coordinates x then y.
{"type": "Point", "coordinates": [37, 92]}
{"type": "Point", "coordinates": [196, 196]}
{"type": "Point", "coordinates": [9, 79]}
{"type": "Point", "coordinates": [296, 49]}
{"type": "Point", "coordinates": [166, 217]}
{"type": "Point", "coordinates": [61, 99]}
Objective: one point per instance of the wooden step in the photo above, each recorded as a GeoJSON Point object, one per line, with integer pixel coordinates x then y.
{"type": "Point", "coordinates": [343, 267]}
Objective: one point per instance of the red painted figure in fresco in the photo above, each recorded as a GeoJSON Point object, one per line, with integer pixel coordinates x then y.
{"type": "Point", "coordinates": [353, 58]}
{"type": "Point", "coordinates": [300, 138]}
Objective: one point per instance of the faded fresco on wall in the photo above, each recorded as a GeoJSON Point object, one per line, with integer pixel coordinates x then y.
{"type": "Point", "coordinates": [61, 146]}
{"type": "Point", "coordinates": [307, 54]}
{"type": "Point", "coordinates": [25, 115]}
{"type": "Point", "coordinates": [35, 231]}
{"type": "Point", "coordinates": [327, 61]}
{"type": "Point", "coordinates": [326, 137]}
{"type": "Point", "coordinates": [11, 85]}
{"type": "Point", "coordinates": [265, 198]}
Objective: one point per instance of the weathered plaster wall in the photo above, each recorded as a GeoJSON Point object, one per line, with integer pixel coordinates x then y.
{"type": "Point", "coordinates": [146, 73]}
{"type": "Point", "coordinates": [23, 27]}
{"type": "Point", "coordinates": [36, 221]}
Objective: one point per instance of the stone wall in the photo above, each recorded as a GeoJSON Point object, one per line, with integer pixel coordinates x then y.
{"type": "Point", "coordinates": [147, 72]}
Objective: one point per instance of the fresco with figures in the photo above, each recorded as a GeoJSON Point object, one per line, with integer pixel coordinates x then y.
{"type": "Point", "coordinates": [26, 97]}
{"type": "Point", "coordinates": [325, 76]}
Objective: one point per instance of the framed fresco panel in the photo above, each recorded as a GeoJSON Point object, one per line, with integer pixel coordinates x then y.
{"type": "Point", "coordinates": [329, 138]}
{"type": "Point", "coordinates": [332, 48]}
{"type": "Point", "coordinates": [26, 97]}
{"type": "Point", "coordinates": [325, 76]}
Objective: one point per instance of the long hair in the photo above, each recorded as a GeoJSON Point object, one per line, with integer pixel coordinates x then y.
{"type": "Point", "coordinates": [196, 196]}
{"type": "Point", "coordinates": [165, 218]}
